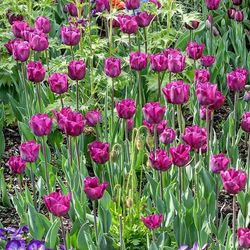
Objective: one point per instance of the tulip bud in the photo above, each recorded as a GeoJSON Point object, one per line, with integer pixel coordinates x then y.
{"type": "Point", "coordinates": [93, 117]}
{"type": "Point", "coordinates": [13, 17]}
{"type": "Point", "coordinates": [247, 97]}
{"type": "Point", "coordinates": [21, 51]}
{"type": "Point", "coordinates": [207, 61]}
{"type": "Point", "coordinates": [245, 122]}
{"type": "Point", "coordinates": [35, 71]}
{"type": "Point", "coordinates": [195, 50]}
{"type": "Point", "coordinates": [203, 113]}
{"type": "Point", "coordinates": [193, 25]}
{"type": "Point", "coordinates": [160, 160]}
{"type": "Point", "coordinates": [231, 13]}
{"type": "Point", "coordinates": [167, 136]}
{"type": "Point", "coordinates": [18, 27]}
{"type": "Point", "coordinates": [236, 80]}
{"type": "Point", "coordinates": [77, 70]}
{"type": "Point", "coordinates": [128, 24]}
{"type": "Point", "coordinates": [180, 155]}
{"type": "Point", "coordinates": [58, 83]}
{"type": "Point", "coordinates": [43, 23]}
{"type": "Point", "coordinates": [70, 35]}
{"type": "Point", "coordinates": [38, 41]}
{"type": "Point", "coordinates": [201, 76]}
{"type": "Point", "coordinates": [219, 163]}
{"type": "Point", "coordinates": [158, 62]}
{"type": "Point", "coordinates": [153, 112]}
{"type": "Point", "coordinates": [243, 235]}
{"type": "Point", "coordinates": [71, 9]}
{"type": "Point", "coordinates": [126, 108]}
{"type": "Point", "coordinates": [152, 221]}
{"type": "Point", "coordinates": [237, 2]}
{"type": "Point", "coordinates": [112, 67]}
{"type": "Point", "coordinates": [213, 4]}
{"type": "Point", "coordinates": [16, 164]}
{"type": "Point", "coordinates": [138, 61]}
{"type": "Point", "coordinates": [99, 152]}
{"type": "Point", "coordinates": [144, 18]}
{"type": "Point", "coordinates": [215, 31]}
{"type": "Point", "coordinates": [132, 4]}
{"type": "Point", "coordinates": [239, 16]}
{"type": "Point", "coordinates": [29, 151]}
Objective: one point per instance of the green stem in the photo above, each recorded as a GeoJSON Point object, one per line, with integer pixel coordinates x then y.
{"type": "Point", "coordinates": [63, 233]}
{"type": "Point", "coordinates": [180, 185]}
{"type": "Point", "coordinates": [145, 39]}
{"type": "Point", "coordinates": [208, 131]}
{"type": "Point", "coordinates": [211, 33]}
{"type": "Point", "coordinates": [121, 232]}
{"type": "Point", "coordinates": [179, 118]}
{"type": "Point", "coordinates": [112, 104]}
{"type": "Point", "coordinates": [161, 184]}
{"type": "Point", "coordinates": [95, 221]}
{"type": "Point", "coordinates": [234, 221]}
{"type": "Point", "coordinates": [46, 163]}
{"type": "Point", "coordinates": [248, 163]}
{"type": "Point", "coordinates": [38, 92]}
{"type": "Point", "coordinates": [129, 43]}
{"type": "Point", "coordinates": [33, 185]}
{"type": "Point", "coordinates": [236, 98]}
{"type": "Point", "coordinates": [61, 100]}
{"type": "Point", "coordinates": [159, 87]}
{"type": "Point", "coordinates": [77, 95]}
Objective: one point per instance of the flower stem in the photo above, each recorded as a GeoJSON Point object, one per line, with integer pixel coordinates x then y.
{"type": "Point", "coordinates": [234, 220]}
{"type": "Point", "coordinates": [38, 92]}
{"type": "Point", "coordinates": [63, 234]}
{"type": "Point", "coordinates": [77, 95]}
{"type": "Point", "coordinates": [112, 104]}
{"type": "Point", "coordinates": [33, 185]}
{"type": "Point", "coordinates": [46, 163]}
{"type": "Point", "coordinates": [145, 39]}
{"type": "Point", "coordinates": [159, 87]}
{"type": "Point", "coordinates": [179, 118]}
{"type": "Point", "coordinates": [121, 233]}
{"type": "Point", "coordinates": [180, 186]}
{"type": "Point", "coordinates": [161, 184]}
{"type": "Point", "coordinates": [140, 88]}
{"type": "Point", "coordinates": [129, 43]}
{"type": "Point", "coordinates": [208, 131]}
{"type": "Point", "coordinates": [61, 100]}
{"type": "Point", "coordinates": [211, 34]}
{"type": "Point", "coordinates": [236, 98]}
{"type": "Point", "coordinates": [217, 199]}
{"type": "Point", "coordinates": [95, 222]}
{"type": "Point", "coordinates": [248, 162]}
{"type": "Point", "coordinates": [155, 136]}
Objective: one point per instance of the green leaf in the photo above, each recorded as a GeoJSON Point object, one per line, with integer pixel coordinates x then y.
{"type": "Point", "coordinates": [51, 236]}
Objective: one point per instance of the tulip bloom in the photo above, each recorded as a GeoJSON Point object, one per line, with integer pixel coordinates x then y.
{"type": "Point", "coordinates": [245, 122]}
{"type": "Point", "coordinates": [231, 13]}
{"type": "Point", "coordinates": [195, 137]}
{"type": "Point", "coordinates": [203, 113]}
{"type": "Point", "coordinates": [128, 24]}
{"type": "Point", "coordinates": [29, 151]}
{"type": "Point", "coordinates": [58, 83]}
{"type": "Point", "coordinates": [35, 71]}
{"type": "Point", "coordinates": [70, 35]}
{"type": "Point", "coordinates": [239, 16]}
{"type": "Point", "coordinates": [57, 203]}
{"type": "Point", "coordinates": [176, 92]}
{"type": "Point", "coordinates": [10, 43]}
{"type": "Point", "coordinates": [126, 108]}
{"type": "Point", "coordinates": [233, 180]}
{"type": "Point", "coordinates": [21, 51]}
{"type": "Point", "coordinates": [16, 164]}
{"type": "Point", "coordinates": [93, 117]}
{"type": "Point", "coordinates": [93, 189]}
{"type": "Point", "coordinates": [176, 61]}
{"type": "Point", "coordinates": [236, 80]}
{"type": "Point", "coordinates": [213, 4]}
{"type": "Point", "coordinates": [201, 76]}
{"type": "Point", "coordinates": [43, 23]}
{"type": "Point", "coordinates": [13, 17]}
{"type": "Point", "coordinates": [206, 93]}
{"type": "Point", "coordinates": [219, 163]}
{"type": "Point", "coordinates": [152, 221]}
{"type": "Point", "coordinates": [112, 67]}
{"type": "Point", "coordinates": [218, 101]}
{"type": "Point", "coordinates": [167, 136]}
{"type": "Point", "coordinates": [132, 4]}
{"type": "Point", "coordinates": [160, 160]}
{"type": "Point", "coordinates": [99, 152]}
{"type": "Point", "coordinates": [70, 122]}
{"type": "Point", "coordinates": [18, 27]}
{"type": "Point", "coordinates": [18, 244]}
{"type": "Point", "coordinates": [138, 60]}
{"type": "Point", "coordinates": [38, 41]}
{"type": "Point", "coordinates": [143, 19]}
{"type": "Point", "coordinates": [237, 2]}
{"type": "Point", "coordinates": [194, 50]}
{"type": "Point", "coordinates": [77, 70]}
{"type": "Point", "coordinates": [102, 5]}
{"type": "Point", "coordinates": [193, 25]}
{"type": "Point", "coordinates": [153, 112]}
{"type": "Point", "coordinates": [158, 62]}
{"type": "Point", "coordinates": [159, 127]}
{"type": "Point", "coordinates": [207, 60]}
{"type": "Point", "coordinates": [40, 124]}
{"type": "Point", "coordinates": [71, 9]}
{"type": "Point", "coordinates": [243, 235]}
{"type": "Point", "coordinates": [180, 155]}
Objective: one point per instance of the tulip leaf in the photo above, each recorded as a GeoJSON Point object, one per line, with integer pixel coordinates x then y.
{"type": "Point", "coordinates": [51, 236]}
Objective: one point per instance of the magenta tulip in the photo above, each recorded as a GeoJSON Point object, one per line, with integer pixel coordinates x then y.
{"type": "Point", "coordinates": [207, 60]}
{"type": "Point", "coordinates": [245, 122]}
{"type": "Point", "coordinates": [43, 23]}
{"type": "Point", "coordinates": [237, 2]}
{"type": "Point", "coordinates": [194, 50]}
{"type": "Point", "coordinates": [236, 80]}
{"type": "Point", "coordinates": [180, 155]}
{"type": "Point", "coordinates": [239, 16]}
{"type": "Point", "coordinates": [153, 112]}
{"type": "Point", "coordinates": [18, 27]}
{"type": "Point", "coordinates": [132, 4]}
{"type": "Point", "coordinates": [16, 164]}
{"type": "Point", "coordinates": [58, 83]}
{"type": "Point", "coordinates": [93, 117]}
{"type": "Point", "coordinates": [158, 62]}
{"type": "Point", "coordinates": [128, 24]}
{"type": "Point", "coordinates": [138, 61]}
{"type": "Point", "coordinates": [35, 71]}
{"type": "Point", "coordinates": [159, 127]}
{"type": "Point", "coordinates": [38, 41]}
{"type": "Point", "coordinates": [213, 4]}
{"type": "Point", "coordinates": [77, 70]}
{"type": "Point", "coordinates": [176, 61]}
{"type": "Point", "coordinates": [218, 101]}
{"type": "Point", "coordinates": [231, 13]}
{"type": "Point", "coordinates": [144, 18]}
{"type": "Point", "coordinates": [10, 43]}
{"type": "Point", "coordinates": [126, 108]}
{"type": "Point", "coordinates": [102, 5]}
{"type": "Point", "coordinates": [167, 136]}
{"type": "Point", "coordinates": [193, 25]}
{"type": "Point", "coordinates": [40, 124]}
{"type": "Point", "coordinates": [70, 35]}
{"type": "Point", "coordinates": [112, 67]}
{"type": "Point", "coordinates": [203, 113]}
{"type": "Point", "coordinates": [201, 76]}
{"type": "Point", "coordinates": [29, 151]}
{"type": "Point", "coordinates": [27, 32]}
{"type": "Point", "coordinates": [99, 152]}
{"type": "Point", "coordinates": [219, 163]}
{"type": "Point", "coordinates": [243, 235]}
{"type": "Point", "coordinates": [12, 17]}
{"type": "Point", "coordinates": [160, 160]}
{"type": "Point", "coordinates": [152, 221]}
{"type": "Point", "coordinates": [206, 93]}
{"type": "Point", "coordinates": [21, 51]}
{"type": "Point", "coordinates": [71, 9]}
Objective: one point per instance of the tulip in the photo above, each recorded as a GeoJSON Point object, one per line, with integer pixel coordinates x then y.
{"type": "Point", "coordinates": [16, 164]}
{"type": "Point", "coordinates": [246, 97]}
{"type": "Point", "coordinates": [237, 2]}
{"type": "Point", "coordinates": [201, 76]}
{"type": "Point", "coordinates": [10, 43]}
{"type": "Point", "coordinates": [219, 163]}
{"type": "Point", "coordinates": [57, 203]}
{"type": "Point", "coordinates": [70, 122]}
{"type": "Point", "coordinates": [99, 152]}
{"type": "Point", "coordinates": [77, 70]}
{"type": "Point", "coordinates": [176, 92]}
{"type": "Point", "coordinates": [244, 237]}
{"type": "Point", "coordinates": [21, 51]}
{"type": "Point", "coordinates": [126, 108]}
{"type": "Point", "coordinates": [112, 67]}
{"type": "Point", "coordinates": [29, 151]}
{"type": "Point", "coordinates": [35, 71]}
{"type": "Point", "coordinates": [176, 61]}
{"type": "Point", "coordinates": [195, 137]}
{"type": "Point", "coordinates": [213, 4]}
{"type": "Point", "coordinates": [102, 5]}
{"type": "Point", "coordinates": [38, 41]}
{"type": "Point", "coordinates": [193, 25]}
{"type": "Point", "coordinates": [26, 33]}
{"type": "Point", "coordinates": [130, 124]}
{"type": "Point", "coordinates": [195, 50]}
{"type": "Point", "coordinates": [70, 35]}
{"type": "Point", "coordinates": [93, 117]}
{"type": "Point", "coordinates": [160, 160]}
{"type": "Point", "coordinates": [194, 247]}
{"type": "Point", "coordinates": [115, 22]}
{"type": "Point", "coordinates": [158, 62]}
{"type": "Point", "coordinates": [231, 13]}
{"type": "Point", "coordinates": [40, 124]}
{"type": "Point", "coordinates": [159, 127]}
{"type": "Point", "coordinates": [207, 61]}
{"type": "Point", "coordinates": [13, 244]}
{"type": "Point", "coordinates": [128, 24]}
{"type": "Point", "coordinates": [43, 23]}
{"type": "Point", "coordinates": [36, 245]}
{"type": "Point", "coordinates": [132, 4]}
{"type": "Point", "coordinates": [239, 16]}
{"type": "Point", "coordinates": [206, 93]}
{"type": "Point", "coordinates": [167, 136]}
{"type": "Point", "coordinates": [180, 155]}
{"type": "Point", "coordinates": [58, 83]}
{"type": "Point", "coordinates": [144, 18]}
{"type": "Point", "coordinates": [18, 27]}
{"type": "Point", "coordinates": [138, 61]}
{"type": "Point", "coordinates": [245, 122]}
{"type": "Point", "coordinates": [152, 221]}
{"type": "Point", "coordinates": [203, 113]}
{"type": "Point", "coordinates": [218, 101]}
{"type": "Point", "coordinates": [153, 112]}
{"type": "Point", "coordinates": [13, 17]}
{"type": "Point", "coordinates": [236, 80]}
{"type": "Point", "coordinates": [233, 180]}
{"type": "Point", "coordinates": [93, 189]}
{"type": "Point", "coordinates": [71, 9]}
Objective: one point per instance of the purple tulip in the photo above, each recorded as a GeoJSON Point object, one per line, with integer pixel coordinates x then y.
{"type": "Point", "coordinates": [15, 244]}
{"type": "Point", "coordinates": [126, 108]}
{"type": "Point", "coordinates": [70, 35]}
{"type": "Point", "coordinates": [130, 124]}
{"type": "Point", "coordinates": [26, 33]}
{"type": "Point", "coordinates": [176, 92]}
{"type": "Point", "coordinates": [231, 13]}
{"type": "Point", "coordinates": [144, 18]}
{"type": "Point", "coordinates": [233, 180]}
{"type": "Point", "coordinates": [38, 41]}
{"type": "Point", "coordinates": [18, 27]}
{"type": "Point", "coordinates": [40, 124]}
{"type": "Point", "coordinates": [159, 127]}
{"type": "Point", "coordinates": [239, 16]}
{"type": "Point", "coordinates": [156, 3]}
{"type": "Point", "coordinates": [43, 23]}
{"type": "Point", "coordinates": [206, 93]}
{"type": "Point", "coordinates": [58, 83]}
{"type": "Point", "coordinates": [10, 43]}
{"type": "Point", "coordinates": [153, 112]}
{"type": "Point", "coordinates": [138, 60]}
{"type": "Point", "coordinates": [203, 113]}
{"type": "Point", "coordinates": [21, 51]}
{"type": "Point", "coordinates": [71, 9]}
{"type": "Point", "coordinates": [36, 245]}
{"type": "Point", "coordinates": [158, 62]}
{"type": "Point", "coordinates": [152, 221]}
{"type": "Point", "coordinates": [218, 101]}
{"type": "Point", "coordinates": [93, 117]}
{"type": "Point", "coordinates": [132, 4]}
{"type": "Point", "coordinates": [201, 76]}
{"type": "Point", "coordinates": [245, 122]}
{"type": "Point", "coordinates": [93, 189]}
{"type": "Point", "coordinates": [213, 4]}
{"type": "Point", "coordinates": [77, 70]}
{"type": "Point", "coordinates": [29, 151]}
{"type": "Point", "coordinates": [128, 24]}
{"type": "Point", "coordinates": [194, 50]}
{"type": "Point", "coordinates": [57, 203]}
{"type": "Point", "coordinates": [99, 152]}
{"type": "Point", "coordinates": [102, 5]}
{"type": "Point", "coordinates": [237, 2]}
{"type": "Point", "coordinates": [246, 97]}
{"type": "Point", "coordinates": [160, 160]}
{"type": "Point", "coordinates": [193, 25]}
{"type": "Point", "coordinates": [16, 164]}
{"type": "Point", "coordinates": [207, 60]}
{"type": "Point", "coordinates": [243, 235]}
{"type": "Point", "coordinates": [219, 163]}
{"type": "Point", "coordinates": [112, 67]}
{"type": "Point", "coordinates": [13, 17]}
{"type": "Point", "coordinates": [236, 80]}
{"type": "Point", "coordinates": [180, 155]}
{"type": "Point", "coordinates": [167, 136]}
{"type": "Point", "coordinates": [35, 71]}
{"type": "Point", "coordinates": [176, 61]}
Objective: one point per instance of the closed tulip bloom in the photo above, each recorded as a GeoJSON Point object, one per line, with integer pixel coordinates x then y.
{"type": "Point", "coordinates": [152, 221]}
{"type": "Point", "coordinates": [234, 181]}
{"type": "Point", "coordinates": [195, 137]}
{"type": "Point", "coordinates": [12, 17]}
{"type": "Point", "coordinates": [138, 60]}
{"type": "Point", "coordinates": [128, 24]}
{"type": "Point", "coordinates": [203, 113]}
{"type": "Point", "coordinates": [201, 76]}
{"type": "Point", "coordinates": [245, 122]}
{"type": "Point", "coordinates": [57, 203]}
{"type": "Point", "coordinates": [18, 27]}
{"type": "Point", "coordinates": [112, 67]}
{"type": "Point", "coordinates": [158, 62]}
{"type": "Point", "coordinates": [93, 189]}
{"type": "Point", "coordinates": [160, 160]}
{"type": "Point", "coordinates": [213, 4]}
{"type": "Point", "coordinates": [21, 51]}
{"type": "Point", "coordinates": [70, 122]}
{"type": "Point", "coordinates": [77, 70]}
{"type": "Point", "coordinates": [132, 4]}
{"type": "Point", "coordinates": [176, 92]}
{"type": "Point", "coordinates": [219, 162]}
{"type": "Point", "coordinates": [239, 16]}
{"type": "Point", "coordinates": [176, 61]}
{"type": "Point", "coordinates": [93, 117]}
{"type": "Point", "coordinates": [26, 33]}
{"type": "Point", "coordinates": [36, 245]}
{"type": "Point", "coordinates": [153, 112]}
{"type": "Point", "coordinates": [193, 25]}
{"type": "Point", "coordinates": [43, 23]}
{"type": "Point", "coordinates": [38, 41]}
{"type": "Point", "coordinates": [207, 61]}
{"type": "Point", "coordinates": [15, 244]}
{"type": "Point", "coordinates": [237, 2]}
{"type": "Point", "coordinates": [71, 9]}
{"type": "Point", "coordinates": [16, 164]}
{"type": "Point", "coordinates": [180, 155]}
{"type": "Point", "coordinates": [70, 35]}
{"type": "Point", "coordinates": [205, 93]}
{"type": "Point", "coordinates": [29, 151]}
{"type": "Point", "coordinates": [218, 101]}
{"type": "Point", "coordinates": [231, 13]}
{"type": "Point", "coordinates": [99, 152]}
{"type": "Point", "coordinates": [194, 50]}
{"type": "Point", "coordinates": [10, 43]}
{"type": "Point", "coordinates": [115, 22]}
{"type": "Point", "coordinates": [35, 71]}
{"type": "Point", "coordinates": [243, 235]}
{"type": "Point", "coordinates": [102, 5]}
{"type": "Point", "coordinates": [144, 18]}
{"type": "Point", "coordinates": [236, 79]}
{"type": "Point", "coordinates": [126, 108]}
{"type": "Point", "coordinates": [58, 83]}
{"type": "Point", "coordinates": [167, 136]}
{"type": "Point", "coordinates": [159, 127]}
{"type": "Point", "coordinates": [40, 124]}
